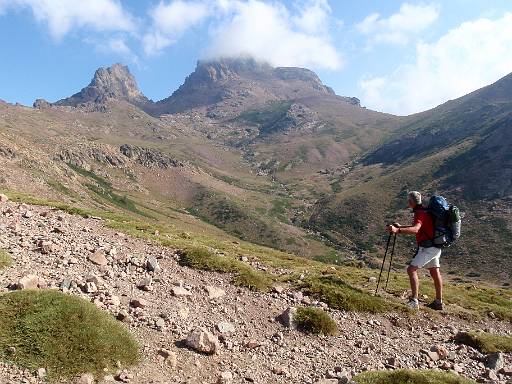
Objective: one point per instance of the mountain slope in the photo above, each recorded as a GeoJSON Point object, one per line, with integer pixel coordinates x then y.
{"type": "Point", "coordinates": [460, 149]}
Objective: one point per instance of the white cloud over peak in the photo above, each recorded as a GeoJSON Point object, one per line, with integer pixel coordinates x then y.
{"type": "Point", "coordinates": [400, 27]}
{"type": "Point", "coordinates": [269, 31]}
{"type": "Point", "coordinates": [466, 58]}
{"type": "Point", "coordinates": [170, 21]}
{"type": "Point", "coordinates": [61, 16]}
{"type": "Point", "coordinates": [263, 29]}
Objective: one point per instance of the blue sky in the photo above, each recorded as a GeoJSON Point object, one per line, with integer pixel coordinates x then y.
{"type": "Point", "coordinates": [398, 57]}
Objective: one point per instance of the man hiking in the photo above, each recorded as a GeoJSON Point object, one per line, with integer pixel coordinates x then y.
{"type": "Point", "coordinates": [427, 256]}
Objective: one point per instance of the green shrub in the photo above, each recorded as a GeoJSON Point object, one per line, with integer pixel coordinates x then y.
{"type": "Point", "coordinates": [485, 342]}
{"type": "Point", "coordinates": [409, 377]}
{"type": "Point", "coordinates": [339, 295]}
{"type": "Point", "coordinates": [245, 275]}
{"type": "Point", "coordinates": [5, 259]}
{"type": "Point", "coordinates": [316, 321]}
{"type": "Point", "coordinates": [62, 333]}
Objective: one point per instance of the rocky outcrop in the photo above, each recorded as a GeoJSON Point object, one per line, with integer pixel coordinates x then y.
{"type": "Point", "coordinates": [148, 157]}
{"type": "Point", "coordinates": [82, 157]}
{"type": "Point", "coordinates": [113, 83]}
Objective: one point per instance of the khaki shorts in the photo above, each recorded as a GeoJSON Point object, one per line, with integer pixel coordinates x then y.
{"type": "Point", "coordinates": [426, 258]}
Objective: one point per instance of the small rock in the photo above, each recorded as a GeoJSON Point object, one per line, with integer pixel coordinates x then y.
{"type": "Point", "coordinates": [225, 377]}
{"type": "Point", "coordinates": [202, 341]}
{"type": "Point", "coordinates": [86, 378]}
{"type": "Point", "coordinates": [146, 284]}
{"type": "Point", "coordinates": [41, 373]}
{"type": "Point", "coordinates": [3, 198]}
{"type": "Point", "coordinates": [152, 265]}
{"type": "Point", "coordinates": [170, 357]}
{"type": "Point", "coordinates": [28, 282]}
{"type": "Point", "coordinates": [225, 327]}
{"type": "Point", "coordinates": [124, 316]}
{"type": "Point", "coordinates": [138, 303]}
{"type": "Point", "coordinates": [214, 292]}
{"type": "Point", "coordinates": [495, 361]}
{"type": "Point", "coordinates": [98, 258]}
{"type": "Point", "coordinates": [179, 291]}
{"type": "Point", "coordinates": [287, 318]}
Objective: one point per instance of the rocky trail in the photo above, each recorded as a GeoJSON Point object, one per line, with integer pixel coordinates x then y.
{"type": "Point", "coordinates": [176, 312]}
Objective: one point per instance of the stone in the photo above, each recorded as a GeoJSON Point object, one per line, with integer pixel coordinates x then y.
{"type": "Point", "coordinates": [124, 316]}
{"type": "Point", "coordinates": [225, 377]}
{"type": "Point", "coordinates": [225, 327]}
{"type": "Point", "coordinates": [214, 292]}
{"type": "Point", "coordinates": [495, 361]}
{"type": "Point", "coordinates": [28, 282]}
{"type": "Point", "coordinates": [441, 351]}
{"type": "Point", "coordinates": [98, 258]}
{"type": "Point", "coordinates": [145, 284]}
{"type": "Point", "coordinates": [278, 289]}
{"type": "Point", "coordinates": [507, 371]}
{"type": "Point", "coordinates": [41, 373]}
{"type": "Point", "coordinates": [491, 375]}
{"type": "Point", "coordinates": [65, 285]}
{"type": "Point", "coordinates": [372, 279]}
{"type": "Point", "coordinates": [179, 291]}
{"type": "Point", "coordinates": [138, 303]}
{"type": "Point", "coordinates": [170, 357]}
{"type": "Point", "coordinates": [3, 198]}
{"type": "Point", "coordinates": [327, 381]}
{"type": "Point", "coordinates": [46, 247]}
{"type": "Point", "coordinates": [86, 378]}
{"type": "Point", "coordinates": [287, 318]}
{"type": "Point", "coordinates": [89, 287]}
{"type": "Point", "coordinates": [152, 265]}
{"type": "Point", "coordinates": [202, 341]}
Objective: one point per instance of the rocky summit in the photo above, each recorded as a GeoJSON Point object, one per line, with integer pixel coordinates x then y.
{"type": "Point", "coordinates": [112, 83]}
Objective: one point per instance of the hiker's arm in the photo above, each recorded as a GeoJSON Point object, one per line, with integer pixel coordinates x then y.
{"type": "Point", "coordinates": [412, 230]}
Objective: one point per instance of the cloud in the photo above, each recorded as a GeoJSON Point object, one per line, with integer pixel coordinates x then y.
{"type": "Point", "coordinates": [269, 32]}
{"type": "Point", "coordinates": [170, 21]}
{"type": "Point", "coordinates": [466, 58]}
{"type": "Point", "coordinates": [61, 16]}
{"type": "Point", "coordinates": [400, 27]}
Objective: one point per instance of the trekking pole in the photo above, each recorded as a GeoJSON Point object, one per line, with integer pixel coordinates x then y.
{"type": "Point", "coordinates": [390, 261]}
{"type": "Point", "coordinates": [383, 261]}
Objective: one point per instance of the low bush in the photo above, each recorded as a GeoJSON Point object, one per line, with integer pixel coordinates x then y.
{"type": "Point", "coordinates": [316, 321]}
{"type": "Point", "coordinates": [244, 274]}
{"type": "Point", "coordinates": [339, 295]}
{"type": "Point", "coordinates": [64, 334]}
{"type": "Point", "coordinates": [409, 377]}
{"type": "Point", "coordinates": [485, 342]}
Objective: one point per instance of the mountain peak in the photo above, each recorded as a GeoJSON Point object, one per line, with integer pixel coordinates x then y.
{"type": "Point", "coordinates": [115, 82]}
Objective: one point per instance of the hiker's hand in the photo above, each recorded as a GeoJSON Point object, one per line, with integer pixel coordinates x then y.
{"type": "Point", "coordinates": [392, 229]}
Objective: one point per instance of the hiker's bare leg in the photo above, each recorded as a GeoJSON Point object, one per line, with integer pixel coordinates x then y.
{"type": "Point", "coordinates": [415, 281]}
{"type": "Point", "coordinates": [438, 282]}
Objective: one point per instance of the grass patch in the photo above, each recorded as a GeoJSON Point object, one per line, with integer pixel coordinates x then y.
{"type": "Point", "coordinates": [410, 377]}
{"type": "Point", "coordinates": [316, 321]}
{"type": "Point", "coordinates": [62, 333]}
{"type": "Point", "coordinates": [5, 259]}
{"type": "Point", "coordinates": [245, 275]}
{"type": "Point", "coordinates": [339, 295]}
{"type": "Point", "coordinates": [485, 342]}
{"type": "Point", "coordinates": [91, 175]}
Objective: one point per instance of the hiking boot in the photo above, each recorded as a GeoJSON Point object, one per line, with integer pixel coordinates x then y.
{"type": "Point", "coordinates": [436, 305]}
{"type": "Point", "coordinates": [413, 303]}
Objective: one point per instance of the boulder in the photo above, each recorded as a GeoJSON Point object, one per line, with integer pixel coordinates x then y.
{"type": "Point", "coordinates": [202, 341]}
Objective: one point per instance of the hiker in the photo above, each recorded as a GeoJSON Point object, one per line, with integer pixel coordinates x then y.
{"type": "Point", "coordinates": [427, 255]}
